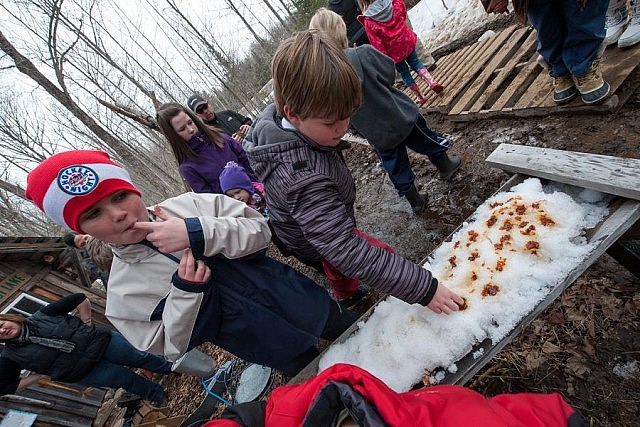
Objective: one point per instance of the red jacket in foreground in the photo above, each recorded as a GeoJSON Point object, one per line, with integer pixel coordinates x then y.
{"type": "Point", "coordinates": [370, 402]}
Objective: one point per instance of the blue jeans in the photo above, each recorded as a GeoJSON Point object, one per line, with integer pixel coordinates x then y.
{"type": "Point", "coordinates": [112, 372]}
{"type": "Point", "coordinates": [403, 67]}
{"type": "Point", "coordinates": [421, 140]}
{"type": "Point", "coordinates": [568, 37]}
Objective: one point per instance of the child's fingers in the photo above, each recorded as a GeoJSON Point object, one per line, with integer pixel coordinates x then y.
{"type": "Point", "coordinates": [202, 272]}
{"type": "Point", "coordinates": [160, 213]}
{"type": "Point", "coordinates": [193, 270]}
{"type": "Point", "coordinates": [185, 268]}
{"type": "Point", "coordinates": [145, 225]}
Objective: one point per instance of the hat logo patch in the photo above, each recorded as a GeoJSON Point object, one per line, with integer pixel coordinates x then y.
{"type": "Point", "coordinates": [77, 180]}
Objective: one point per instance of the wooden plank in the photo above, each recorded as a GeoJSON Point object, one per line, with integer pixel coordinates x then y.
{"type": "Point", "coordinates": [612, 175]}
{"type": "Point", "coordinates": [538, 91]}
{"type": "Point", "coordinates": [473, 67]}
{"type": "Point", "coordinates": [446, 67]}
{"type": "Point", "coordinates": [31, 247]}
{"type": "Point", "coordinates": [104, 413]}
{"type": "Point", "coordinates": [467, 64]}
{"type": "Point", "coordinates": [518, 86]}
{"type": "Point", "coordinates": [12, 284]}
{"type": "Point", "coordinates": [50, 416]}
{"type": "Point", "coordinates": [514, 52]}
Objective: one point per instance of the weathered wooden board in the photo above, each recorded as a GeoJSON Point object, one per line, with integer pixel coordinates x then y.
{"type": "Point", "coordinates": [456, 71]}
{"type": "Point", "coordinates": [499, 77]}
{"type": "Point", "coordinates": [612, 175]}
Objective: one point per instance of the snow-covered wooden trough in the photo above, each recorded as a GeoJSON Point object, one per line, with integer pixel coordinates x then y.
{"type": "Point", "coordinates": [618, 181]}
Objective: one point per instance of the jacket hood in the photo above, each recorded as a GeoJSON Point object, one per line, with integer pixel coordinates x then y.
{"type": "Point", "coordinates": [269, 144]}
{"type": "Point", "coordinates": [380, 10]}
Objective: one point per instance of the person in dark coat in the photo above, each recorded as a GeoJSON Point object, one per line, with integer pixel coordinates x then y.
{"type": "Point", "coordinates": [349, 11]}
{"type": "Point", "coordinates": [70, 349]}
{"type": "Point", "coordinates": [231, 122]}
{"type": "Point", "coordinates": [346, 395]}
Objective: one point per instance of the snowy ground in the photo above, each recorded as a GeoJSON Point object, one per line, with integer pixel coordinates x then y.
{"type": "Point", "coordinates": [439, 22]}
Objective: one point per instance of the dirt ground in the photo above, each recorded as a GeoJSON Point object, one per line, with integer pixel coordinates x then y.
{"type": "Point", "coordinates": [586, 346]}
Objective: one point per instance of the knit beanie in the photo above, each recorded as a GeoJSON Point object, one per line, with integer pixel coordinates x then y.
{"type": "Point", "coordinates": [67, 184]}
{"type": "Point", "coordinates": [233, 176]}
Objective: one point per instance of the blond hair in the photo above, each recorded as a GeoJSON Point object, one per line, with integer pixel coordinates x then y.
{"type": "Point", "coordinates": [313, 78]}
{"type": "Point", "coordinates": [364, 4]}
{"type": "Point", "coordinates": [332, 24]}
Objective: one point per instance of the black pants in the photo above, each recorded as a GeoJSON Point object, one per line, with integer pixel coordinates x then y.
{"type": "Point", "coordinates": [337, 322]}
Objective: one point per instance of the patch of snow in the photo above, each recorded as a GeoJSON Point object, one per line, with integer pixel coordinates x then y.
{"type": "Point", "coordinates": [438, 26]}
{"type": "Point", "coordinates": [627, 370]}
{"type": "Point", "coordinates": [502, 280]}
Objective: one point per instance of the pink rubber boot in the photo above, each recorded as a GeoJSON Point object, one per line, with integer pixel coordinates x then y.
{"type": "Point", "coordinates": [433, 84]}
{"type": "Point", "coordinates": [421, 99]}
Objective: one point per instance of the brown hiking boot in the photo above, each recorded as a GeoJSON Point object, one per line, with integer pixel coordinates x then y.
{"type": "Point", "coordinates": [564, 89]}
{"type": "Point", "coordinates": [592, 87]}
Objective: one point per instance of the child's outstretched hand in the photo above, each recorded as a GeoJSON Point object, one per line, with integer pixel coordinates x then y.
{"type": "Point", "coordinates": [193, 270]}
{"type": "Point", "coordinates": [445, 301]}
{"type": "Point", "coordinates": [170, 235]}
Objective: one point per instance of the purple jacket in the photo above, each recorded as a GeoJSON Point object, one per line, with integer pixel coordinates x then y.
{"type": "Point", "coordinates": [202, 176]}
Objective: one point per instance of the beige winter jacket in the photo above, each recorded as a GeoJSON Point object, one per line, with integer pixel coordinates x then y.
{"type": "Point", "coordinates": [141, 277]}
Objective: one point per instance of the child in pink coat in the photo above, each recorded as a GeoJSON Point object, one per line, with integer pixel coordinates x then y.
{"type": "Point", "coordinates": [385, 22]}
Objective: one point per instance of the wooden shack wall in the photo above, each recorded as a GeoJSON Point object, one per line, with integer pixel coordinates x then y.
{"type": "Point", "coordinates": [30, 265]}
{"type": "Point", "coordinates": [41, 281]}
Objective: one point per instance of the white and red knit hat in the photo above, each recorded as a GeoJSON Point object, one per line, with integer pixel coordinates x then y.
{"type": "Point", "coordinates": [67, 184]}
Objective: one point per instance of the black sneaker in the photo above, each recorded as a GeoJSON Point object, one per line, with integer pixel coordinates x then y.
{"type": "Point", "coordinates": [160, 403]}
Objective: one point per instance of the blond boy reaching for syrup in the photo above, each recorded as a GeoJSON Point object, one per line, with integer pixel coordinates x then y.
{"type": "Point", "coordinates": [295, 149]}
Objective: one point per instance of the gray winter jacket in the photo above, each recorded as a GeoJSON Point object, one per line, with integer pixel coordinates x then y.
{"type": "Point", "coordinates": [310, 194]}
{"type": "Point", "coordinates": [386, 116]}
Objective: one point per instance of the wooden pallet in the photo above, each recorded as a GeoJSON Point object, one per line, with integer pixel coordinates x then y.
{"type": "Point", "coordinates": [499, 77]}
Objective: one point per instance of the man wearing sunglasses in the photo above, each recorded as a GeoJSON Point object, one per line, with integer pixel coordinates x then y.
{"type": "Point", "coordinates": [232, 123]}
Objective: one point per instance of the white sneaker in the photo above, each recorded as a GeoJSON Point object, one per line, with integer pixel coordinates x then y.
{"type": "Point", "coordinates": [631, 35]}
{"type": "Point", "coordinates": [615, 21]}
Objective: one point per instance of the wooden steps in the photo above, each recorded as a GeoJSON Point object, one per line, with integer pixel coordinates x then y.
{"type": "Point", "coordinates": [499, 77]}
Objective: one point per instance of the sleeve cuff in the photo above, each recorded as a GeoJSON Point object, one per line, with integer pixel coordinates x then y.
{"type": "Point", "coordinates": [196, 236]}
{"type": "Point", "coordinates": [430, 292]}
{"type": "Point", "coordinates": [188, 286]}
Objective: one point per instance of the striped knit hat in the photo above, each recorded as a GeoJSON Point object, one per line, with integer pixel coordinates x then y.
{"type": "Point", "coordinates": [67, 184]}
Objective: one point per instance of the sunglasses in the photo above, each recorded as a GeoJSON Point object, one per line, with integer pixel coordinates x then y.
{"type": "Point", "coordinates": [201, 108]}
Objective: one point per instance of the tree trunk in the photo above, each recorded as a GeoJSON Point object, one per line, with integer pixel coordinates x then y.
{"type": "Point", "coordinates": [26, 67]}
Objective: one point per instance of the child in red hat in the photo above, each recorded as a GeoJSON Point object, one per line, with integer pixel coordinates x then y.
{"type": "Point", "coordinates": [189, 270]}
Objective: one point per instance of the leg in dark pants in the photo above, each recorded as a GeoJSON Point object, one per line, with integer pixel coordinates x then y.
{"type": "Point", "coordinates": [337, 322]}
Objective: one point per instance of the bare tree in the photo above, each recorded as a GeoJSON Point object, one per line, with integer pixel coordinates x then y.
{"type": "Point", "coordinates": [257, 37]}
{"type": "Point", "coordinates": [282, 21]}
